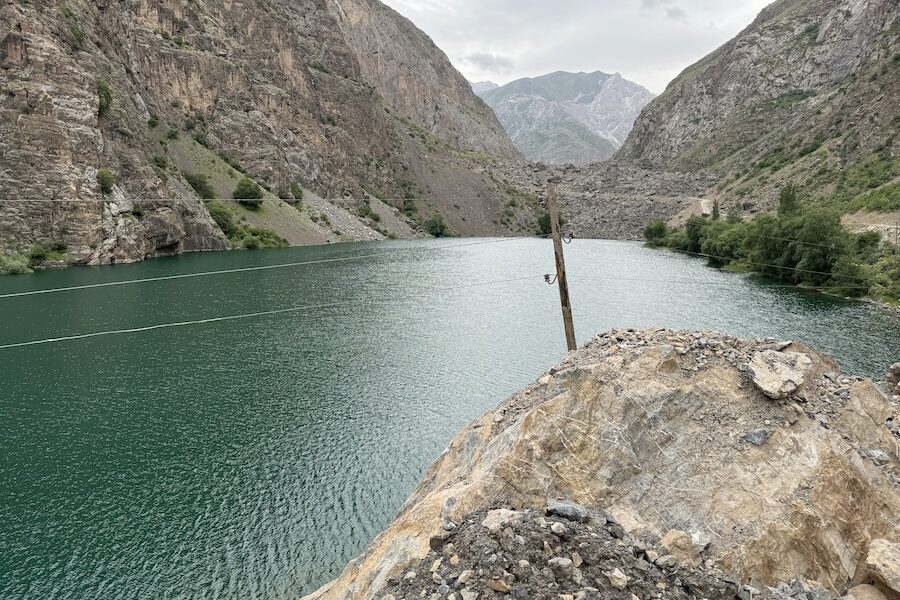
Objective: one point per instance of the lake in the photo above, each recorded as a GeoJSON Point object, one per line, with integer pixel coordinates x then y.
{"type": "Point", "coordinates": [252, 457]}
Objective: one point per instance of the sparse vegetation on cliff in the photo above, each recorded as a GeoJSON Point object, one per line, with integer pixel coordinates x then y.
{"type": "Point", "coordinates": [248, 193]}
{"type": "Point", "coordinates": [242, 236]}
{"type": "Point", "coordinates": [104, 97]}
{"type": "Point", "coordinates": [105, 180]}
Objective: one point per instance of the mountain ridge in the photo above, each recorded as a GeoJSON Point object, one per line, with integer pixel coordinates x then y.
{"type": "Point", "coordinates": [564, 117]}
{"type": "Point", "coordinates": [169, 104]}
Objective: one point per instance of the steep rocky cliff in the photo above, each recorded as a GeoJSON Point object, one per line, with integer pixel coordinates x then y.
{"type": "Point", "coordinates": [808, 93]}
{"type": "Point", "coordinates": [687, 463]}
{"type": "Point", "coordinates": [561, 118]}
{"type": "Point", "coordinates": [306, 94]}
{"type": "Point", "coordinates": [416, 77]}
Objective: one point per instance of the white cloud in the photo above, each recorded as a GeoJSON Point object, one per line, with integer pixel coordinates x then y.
{"type": "Point", "coordinates": [647, 41]}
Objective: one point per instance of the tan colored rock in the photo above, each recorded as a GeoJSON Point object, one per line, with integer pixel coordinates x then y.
{"type": "Point", "coordinates": [500, 518]}
{"type": "Point", "coordinates": [498, 585]}
{"type": "Point", "coordinates": [779, 374]}
{"type": "Point", "coordinates": [865, 592]}
{"type": "Point", "coordinates": [883, 563]}
{"type": "Point", "coordinates": [604, 432]}
{"type": "Point", "coordinates": [681, 546]}
{"type": "Point", "coordinates": [617, 579]}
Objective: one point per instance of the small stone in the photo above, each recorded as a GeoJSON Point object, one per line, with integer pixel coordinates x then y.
{"type": "Point", "coordinates": [566, 597]}
{"type": "Point", "coordinates": [437, 542]}
{"type": "Point", "coordinates": [465, 576]}
{"type": "Point", "coordinates": [665, 562]}
{"type": "Point", "coordinates": [468, 595]}
{"type": "Point", "coordinates": [410, 575]}
{"type": "Point", "coordinates": [559, 529]}
{"type": "Point", "coordinates": [561, 566]}
{"type": "Point", "coordinates": [496, 520]}
{"type": "Point", "coordinates": [524, 564]}
{"type": "Point", "coordinates": [443, 589]}
{"type": "Point", "coordinates": [498, 585]}
{"type": "Point", "coordinates": [577, 560]}
{"type": "Point", "coordinates": [454, 560]}
{"type": "Point", "coordinates": [652, 555]}
{"type": "Point", "coordinates": [436, 565]}
{"type": "Point", "coordinates": [388, 597]}
{"type": "Point", "coordinates": [757, 438]}
{"type": "Point", "coordinates": [617, 579]}
{"type": "Point", "coordinates": [567, 510]}
{"type": "Point", "coordinates": [437, 578]}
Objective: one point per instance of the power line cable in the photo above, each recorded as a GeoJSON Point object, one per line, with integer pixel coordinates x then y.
{"type": "Point", "coordinates": [248, 269]}
{"type": "Point", "coordinates": [292, 309]}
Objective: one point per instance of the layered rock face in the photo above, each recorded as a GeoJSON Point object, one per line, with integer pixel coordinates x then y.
{"type": "Point", "coordinates": [287, 92]}
{"type": "Point", "coordinates": [660, 440]}
{"type": "Point", "coordinates": [807, 91]}
{"type": "Point", "coordinates": [560, 118]}
{"type": "Point", "coordinates": [416, 77]}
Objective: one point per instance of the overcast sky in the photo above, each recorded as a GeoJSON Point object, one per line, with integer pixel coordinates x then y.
{"type": "Point", "coordinates": [647, 41]}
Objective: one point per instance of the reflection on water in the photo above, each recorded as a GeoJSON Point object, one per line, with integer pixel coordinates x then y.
{"type": "Point", "coordinates": [253, 458]}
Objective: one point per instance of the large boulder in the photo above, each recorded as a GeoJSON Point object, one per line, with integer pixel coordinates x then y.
{"type": "Point", "coordinates": [779, 374]}
{"type": "Point", "coordinates": [650, 427]}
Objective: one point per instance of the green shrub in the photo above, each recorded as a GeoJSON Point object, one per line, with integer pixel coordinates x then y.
{"type": "Point", "coordinates": [172, 134]}
{"type": "Point", "coordinates": [365, 211]}
{"type": "Point", "coordinates": [161, 161]}
{"type": "Point", "coordinates": [655, 232]}
{"type": "Point", "coordinates": [296, 191]}
{"type": "Point", "coordinates": [66, 11]}
{"type": "Point", "coordinates": [137, 210]}
{"type": "Point", "coordinates": [153, 122]}
{"type": "Point", "coordinates": [200, 185]}
{"type": "Point", "coordinates": [248, 193]}
{"type": "Point", "coordinates": [13, 263]}
{"type": "Point", "coordinates": [436, 226]}
{"type": "Point", "coordinates": [805, 244]}
{"type": "Point", "coordinates": [79, 37]}
{"type": "Point", "coordinates": [544, 226]}
{"type": "Point", "coordinates": [224, 218]}
{"type": "Point", "coordinates": [104, 97]}
{"type": "Point", "coordinates": [105, 180]}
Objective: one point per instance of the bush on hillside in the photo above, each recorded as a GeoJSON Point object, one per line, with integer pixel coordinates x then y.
{"type": "Point", "coordinates": [200, 185]}
{"type": "Point", "coordinates": [13, 263]}
{"type": "Point", "coordinates": [248, 193]}
{"type": "Point", "coordinates": [105, 181]}
{"type": "Point", "coordinates": [104, 97]}
{"type": "Point", "coordinates": [437, 227]}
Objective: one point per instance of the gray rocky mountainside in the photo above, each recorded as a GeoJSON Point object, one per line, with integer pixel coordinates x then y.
{"type": "Point", "coordinates": [343, 99]}
{"type": "Point", "coordinates": [808, 93]}
{"type": "Point", "coordinates": [577, 118]}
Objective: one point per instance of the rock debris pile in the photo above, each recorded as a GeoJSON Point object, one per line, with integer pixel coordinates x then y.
{"type": "Point", "coordinates": [691, 465]}
{"type": "Point", "coordinates": [568, 552]}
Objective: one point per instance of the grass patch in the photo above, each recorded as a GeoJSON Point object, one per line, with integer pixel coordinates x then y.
{"type": "Point", "coordinates": [243, 236]}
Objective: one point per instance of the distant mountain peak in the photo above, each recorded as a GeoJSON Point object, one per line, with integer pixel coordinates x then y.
{"type": "Point", "coordinates": [564, 117]}
{"type": "Point", "coordinates": [481, 87]}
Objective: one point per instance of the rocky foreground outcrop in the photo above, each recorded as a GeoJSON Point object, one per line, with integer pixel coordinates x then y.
{"type": "Point", "coordinates": [652, 465]}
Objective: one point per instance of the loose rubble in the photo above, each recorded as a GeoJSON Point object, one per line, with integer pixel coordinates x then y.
{"type": "Point", "coordinates": [658, 463]}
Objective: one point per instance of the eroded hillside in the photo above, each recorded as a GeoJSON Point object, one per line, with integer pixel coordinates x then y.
{"type": "Point", "coordinates": [155, 94]}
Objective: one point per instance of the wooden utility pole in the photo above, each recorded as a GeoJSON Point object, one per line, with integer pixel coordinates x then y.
{"type": "Point", "coordinates": [561, 267]}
